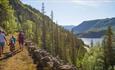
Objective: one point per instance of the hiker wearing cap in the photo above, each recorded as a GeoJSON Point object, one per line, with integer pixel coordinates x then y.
{"type": "Point", "coordinates": [2, 42]}
{"type": "Point", "coordinates": [21, 39]}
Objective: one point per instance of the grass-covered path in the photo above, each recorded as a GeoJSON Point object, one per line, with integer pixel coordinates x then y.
{"type": "Point", "coordinates": [20, 61]}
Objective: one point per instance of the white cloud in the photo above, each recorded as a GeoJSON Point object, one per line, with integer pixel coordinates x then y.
{"type": "Point", "coordinates": [92, 2]}
{"type": "Point", "coordinates": [77, 2]}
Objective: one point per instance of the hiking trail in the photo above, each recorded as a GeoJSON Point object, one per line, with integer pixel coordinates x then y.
{"type": "Point", "coordinates": [20, 61]}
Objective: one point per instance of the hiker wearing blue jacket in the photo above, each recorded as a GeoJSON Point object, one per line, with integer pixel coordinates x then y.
{"type": "Point", "coordinates": [2, 42]}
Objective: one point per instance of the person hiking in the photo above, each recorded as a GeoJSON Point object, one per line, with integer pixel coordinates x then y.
{"type": "Point", "coordinates": [21, 39]}
{"type": "Point", "coordinates": [12, 44]}
{"type": "Point", "coordinates": [2, 42]}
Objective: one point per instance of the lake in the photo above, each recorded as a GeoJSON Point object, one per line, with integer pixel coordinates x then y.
{"type": "Point", "coordinates": [88, 41]}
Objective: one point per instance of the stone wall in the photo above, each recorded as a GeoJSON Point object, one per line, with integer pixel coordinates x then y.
{"type": "Point", "coordinates": [45, 61]}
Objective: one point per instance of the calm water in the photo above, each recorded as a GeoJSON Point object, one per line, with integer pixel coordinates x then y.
{"type": "Point", "coordinates": [95, 41]}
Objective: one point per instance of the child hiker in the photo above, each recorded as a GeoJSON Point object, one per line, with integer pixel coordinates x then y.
{"type": "Point", "coordinates": [12, 44]}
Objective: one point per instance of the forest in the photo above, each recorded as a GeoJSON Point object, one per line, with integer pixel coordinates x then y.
{"type": "Point", "coordinates": [48, 35]}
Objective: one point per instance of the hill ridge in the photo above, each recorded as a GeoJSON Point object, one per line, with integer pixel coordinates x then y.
{"type": "Point", "coordinates": [97, 25]}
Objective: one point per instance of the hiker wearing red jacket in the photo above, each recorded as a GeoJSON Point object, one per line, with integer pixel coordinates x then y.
{"type": "Point", "coordinates": [21, 39]}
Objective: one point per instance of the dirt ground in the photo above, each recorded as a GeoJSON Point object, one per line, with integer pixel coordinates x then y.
{"type": "Point", "coordinates": [20, 61]}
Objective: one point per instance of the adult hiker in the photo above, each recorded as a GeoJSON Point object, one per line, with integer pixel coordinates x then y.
{"type": "Point", "coordinates": [2, 42]}
{"type": "Point", "coordinates": [12, 44]}
{"type": "Point", "coordinates": [21, 39]}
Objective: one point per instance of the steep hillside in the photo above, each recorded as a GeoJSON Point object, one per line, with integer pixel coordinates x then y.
{"type": "Point", "coordinates": [96, 26]}
{"type": "Point", "coordinates": [84, 26]}
{"type": "Point", "coordinates": [25, 12]}
{"type": "Point", "coordinates": [7, 18]}
{"type": "Point", "coordinates": [41, 30]}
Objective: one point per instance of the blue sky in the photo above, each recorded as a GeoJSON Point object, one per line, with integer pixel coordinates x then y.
{"type": "Point", "coordinates": [73, 12]}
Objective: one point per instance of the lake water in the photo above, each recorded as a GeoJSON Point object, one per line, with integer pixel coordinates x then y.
{"type": "Point", "coordinates": [95, 41]}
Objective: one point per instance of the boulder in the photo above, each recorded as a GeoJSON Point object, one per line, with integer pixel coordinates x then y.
{"type": "Point", "coordinates": [28, 43]}
{"type": "Point", "coordinates": [66, 67]}
{"type": "Point", "coordinates": [31, 49]}
{"type": "Point", "coordinates": [36, 56]}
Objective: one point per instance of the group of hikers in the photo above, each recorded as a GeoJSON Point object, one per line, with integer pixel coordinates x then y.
{"type": "Point", "coordinates": [12, 42]}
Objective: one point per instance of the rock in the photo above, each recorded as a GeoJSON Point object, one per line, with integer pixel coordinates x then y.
{"type": "Point", "coordinates": [31, 48]}
{"type": "Point", "coordinates": [28, 43]}
{"type": "Point", "coordinates": [50, 64]}
{"type": "Point", "coordinates": [56, 63]}
{"type": "Point", "coordinates": [44, 60]}
{"type": "Point", "coordinates": [36, 56]}
{"type": "Point", "coordinates": [44, 53]}
{"type": "Point", "coordinates": [66, 67]}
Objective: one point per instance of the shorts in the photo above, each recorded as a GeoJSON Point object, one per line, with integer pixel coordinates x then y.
{"type": "Point", "coordinates": [2, 44]}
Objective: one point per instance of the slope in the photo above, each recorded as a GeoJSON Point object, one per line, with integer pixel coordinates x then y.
{"type": "Point", "coordinates": [95, 25]}
{"type": "Point", "coordinates": [94, 28]}
{"type": "Point", "coordinates": [44, 32]}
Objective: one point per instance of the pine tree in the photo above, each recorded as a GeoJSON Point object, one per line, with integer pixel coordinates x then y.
{"type": "Point", "coordinates": [57, 41]}
{"type": "Point", "coordinates": [108, 49]}
{"type": "Point", "coordinates": [91, 43]}
{"type": "Point", "coordinates": [43, 29]}
{"type": "Point", "coordinates": [52, 34]}
{"type": "Point", "coordinates": [73, 50]}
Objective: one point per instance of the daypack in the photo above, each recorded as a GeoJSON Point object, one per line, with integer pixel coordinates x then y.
{"type": "Point", "coordinates": [12, 41]}
{"type": "Point", "coordinates": [12, 44]}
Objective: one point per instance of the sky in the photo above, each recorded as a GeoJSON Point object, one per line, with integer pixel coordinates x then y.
{"type": "Point", "coordinates": [73, 12]}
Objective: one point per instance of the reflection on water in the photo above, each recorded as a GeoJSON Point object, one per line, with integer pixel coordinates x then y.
{"type": "Point", "coordinates": [95, 41]}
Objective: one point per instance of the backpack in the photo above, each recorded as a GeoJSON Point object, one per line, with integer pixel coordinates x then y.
{"type": "Point", "coordinates": [12, 41]}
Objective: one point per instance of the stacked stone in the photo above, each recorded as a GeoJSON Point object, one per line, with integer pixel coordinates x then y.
{"type": "Point", "coordinates": [45, 61]}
